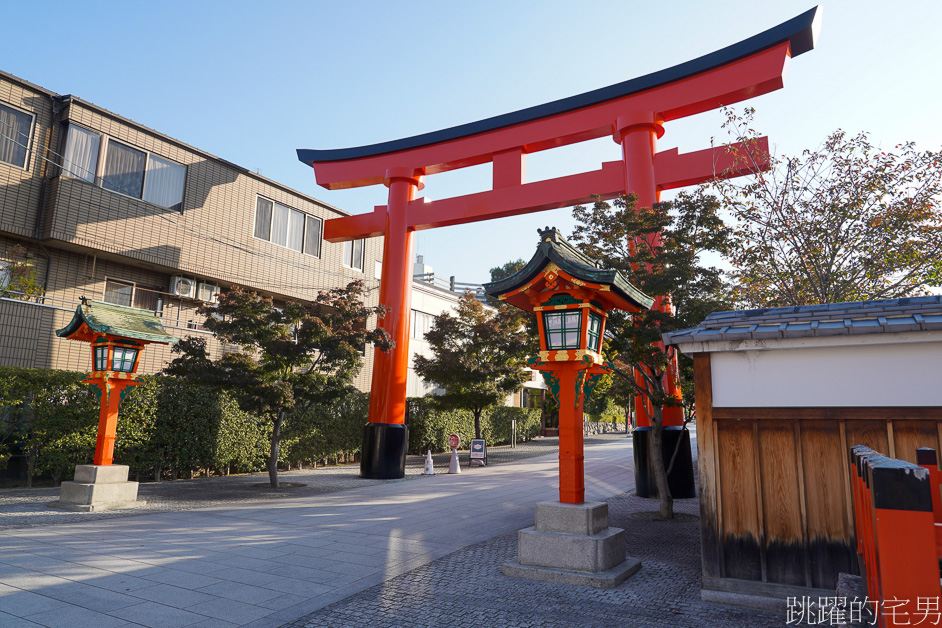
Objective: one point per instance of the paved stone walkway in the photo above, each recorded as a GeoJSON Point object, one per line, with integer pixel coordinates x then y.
{"type": "Point", "coordinates": [23, 507]}
{"type": "Point", "coordinates": [422, 551]}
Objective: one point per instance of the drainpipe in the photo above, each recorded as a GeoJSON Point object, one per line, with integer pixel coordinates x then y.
{"type": "Point", "coordinates": [58, 104]}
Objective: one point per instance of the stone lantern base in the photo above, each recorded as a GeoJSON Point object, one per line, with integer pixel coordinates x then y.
{"type": "Point", "coordinates": [98, 487]}
{"type": "Point", "coordinates": [572, 544]}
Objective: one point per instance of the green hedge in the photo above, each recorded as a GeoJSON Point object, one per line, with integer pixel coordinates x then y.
{"type": "Point", "coordinates": [50, 419]}
{"type": "Point", "coordinates": [429, 428]}
{"type": "Point", "coordinates": [606, 411]}
{"type": "Point", "coordinates": [170, 429]}
{"type": "Point", "coordinates": [326, 433]}
{"type": "Point", "coordinates": [497, 428]}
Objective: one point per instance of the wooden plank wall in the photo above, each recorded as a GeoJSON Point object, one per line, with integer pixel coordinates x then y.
{"type": "Point", "coordinates": [774, 499]}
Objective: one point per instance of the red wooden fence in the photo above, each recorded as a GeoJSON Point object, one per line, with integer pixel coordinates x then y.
{"type": "Point", "coordinates": [898, 519]}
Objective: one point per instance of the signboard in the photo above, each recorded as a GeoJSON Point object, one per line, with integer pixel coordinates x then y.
{"type": "Point", "coordinates": [453, 441]}
{"type": "Point", "coordinates": [478, 451]}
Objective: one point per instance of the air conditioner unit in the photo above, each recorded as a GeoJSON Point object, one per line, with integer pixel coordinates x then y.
{"type": "Point", "coordinates": [183, 286]}
{"type": "Point", "coordinates": [206, 291]}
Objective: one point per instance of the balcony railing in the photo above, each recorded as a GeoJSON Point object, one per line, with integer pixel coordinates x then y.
{"type": "Point", "coordinates": [449, 283]}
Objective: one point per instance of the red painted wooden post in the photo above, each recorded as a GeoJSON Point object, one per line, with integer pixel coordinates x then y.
{"type": "Point", "coordinates": [895, 525]}
{"type": "Point", "coordinates": [388, 392]}
{"type": "Point", "coordinates": [928, 459]}
{"type": "Point", "coordinates": [907, 570]}
{"type": "Point", "coordinates": [571, 456]}
{"type": "Point", "coordinates": [111, 390]}
{"type": "Point", "coordinates": [638, 133]}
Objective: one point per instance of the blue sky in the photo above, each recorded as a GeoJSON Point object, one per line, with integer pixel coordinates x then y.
{"type": "Point", "coordinates": [251, 82]}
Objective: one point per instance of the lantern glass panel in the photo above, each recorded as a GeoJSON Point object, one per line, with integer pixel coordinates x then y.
{"type": "Point", "coordinates": [123, 359]}
{"type": "Point", "coordinates": [595, 329]}
{"type": "Point", "coordinates": [563, 330]}
{"type": "Point", "coordinates": [101, 358]}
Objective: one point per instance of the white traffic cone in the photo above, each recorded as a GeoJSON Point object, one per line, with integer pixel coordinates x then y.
{"type": "Point", "coordinates": [454, 467]}
{"type": "Point", "coordinates": [429, 465]}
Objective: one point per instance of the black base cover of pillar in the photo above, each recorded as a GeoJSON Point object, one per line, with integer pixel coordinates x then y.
{"type": "Point", "coordinates": [384, 451]}
{"type": "Point", "coordinates": [680, 480]}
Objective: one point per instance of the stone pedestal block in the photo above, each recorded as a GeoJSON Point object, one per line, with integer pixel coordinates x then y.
{"type": "Point", "coordinates": [585, 518]}
{"type": "Point", "coordinates": [97, 488]}
{"type": "Point", "coordinates": [572, 544]}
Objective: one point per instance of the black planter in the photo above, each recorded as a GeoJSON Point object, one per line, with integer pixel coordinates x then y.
{"type": "Point", "coordinates": [680, 479]}
{"type": "Point", "coordinates": [384, 451]}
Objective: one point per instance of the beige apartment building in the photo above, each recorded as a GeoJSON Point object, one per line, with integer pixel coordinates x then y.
{"type": "Point", "coordinates": [112, 210]}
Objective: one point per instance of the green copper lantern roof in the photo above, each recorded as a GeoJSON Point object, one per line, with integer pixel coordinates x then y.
{"type": "Point", "coordinates": [554, 248]}
{"type": "Point", "coordinates": [117, 320]}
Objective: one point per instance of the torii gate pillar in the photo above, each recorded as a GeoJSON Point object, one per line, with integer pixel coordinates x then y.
{"type": "Point", "coordinates": [386, 436]}
{"type": "Point", "coordinates": [638, 133]}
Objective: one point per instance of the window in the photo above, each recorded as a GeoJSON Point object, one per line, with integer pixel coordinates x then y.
{"type": "Point", "coordinates": [312, 236]}
{"type": "Point", "coordinates": [130, 294]}
{"type": "Point", "coordinates": [287, 227]}
{"type": "Point", "coordinates": [4, 274]}
{"type": "Point", "coordinates": [421, 324]}
{"type": "Point", "coordinates": [124, 170]}
{"type": "Point", "coordinates": [562, 329]}
{"type": "Point", "coordinates": [80, 159]}
{"type": "Point", "coordinates": [101, 358]}
{"type": "Point", "coordinates": [353, 254]}
{"type": "Point", "coordinates": [146, 298]}
{"type": "Point", "coordinates": [119, 292]}
{"type": "Point", "coordinates": [595, 328]}
{"type": "Point", "coordinates": [123, 360]}
{"type": "Point", "coordinates": [15, 135]}
{"type": "Point", "coordinates": [531, 398]}
{"type": "Point", "coordinates": [263, 209]}
{"type": "Point", "coordinates": [163, 184]}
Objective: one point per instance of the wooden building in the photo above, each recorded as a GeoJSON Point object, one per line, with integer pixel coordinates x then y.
{"type": "Point", "coordinates": [781, 395]}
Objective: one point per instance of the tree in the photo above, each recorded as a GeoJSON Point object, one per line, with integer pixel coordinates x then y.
{"type": "Point", "coordinates": [507, 269]}
{"type": "Point", "coordinates": [18, 278]}
{"type": "Point", "coordinates": [844, 222]}
{"type": "Point", "coordinates": [478, 357]}
{"type": "Point", "coordinates": [293, 357]}
{"type": "Point", "coordinates": [659, 250]}
{"type": "Point", "coordinates": [502, 272]}
{"type": "Point", "coordinates": [521, 319]}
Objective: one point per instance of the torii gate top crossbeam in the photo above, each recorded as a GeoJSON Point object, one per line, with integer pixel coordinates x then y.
{"type": "Point", "coordinates": [367, 165]}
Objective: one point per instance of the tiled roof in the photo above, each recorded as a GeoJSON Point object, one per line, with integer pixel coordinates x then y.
{"type": "Point", "coordinates": [862, 317]}
{"type": "Point", "coordinates": [118, 320]}
{"type": "Point", "coordinates": [554, 248]}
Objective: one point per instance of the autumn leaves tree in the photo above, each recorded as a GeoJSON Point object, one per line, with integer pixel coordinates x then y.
{"type": "Point", "coordinates": [847, 221]}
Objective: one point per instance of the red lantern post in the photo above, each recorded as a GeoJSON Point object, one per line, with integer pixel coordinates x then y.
{"type": "Point", "coordinates": [571, 297]}
{"type": "Point", "coordinates": [117, 335]}
{"type": "Point", "coordinates": [571, 541]}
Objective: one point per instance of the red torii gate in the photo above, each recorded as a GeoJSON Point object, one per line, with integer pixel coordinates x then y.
{"type": "Point", "coordinates": [633, 112]}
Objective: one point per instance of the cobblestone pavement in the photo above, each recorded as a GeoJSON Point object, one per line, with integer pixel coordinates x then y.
{"type": "Point", "coordinates": [26, 507]}
{"type": "Point", "coordinates": [467, 587]}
